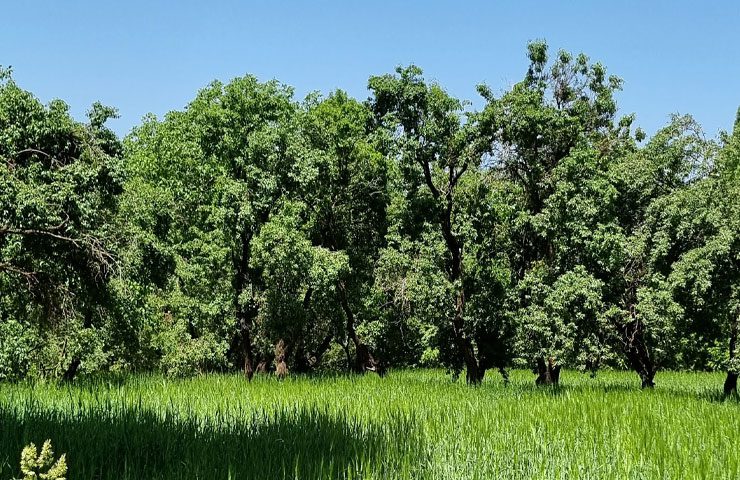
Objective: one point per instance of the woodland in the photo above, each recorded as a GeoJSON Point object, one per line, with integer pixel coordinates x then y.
{"type": "Point", "coordinates": [259, 233]}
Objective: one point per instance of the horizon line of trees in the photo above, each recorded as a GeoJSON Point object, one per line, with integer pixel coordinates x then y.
{"type": "Point", "coordinates": [252, 231]}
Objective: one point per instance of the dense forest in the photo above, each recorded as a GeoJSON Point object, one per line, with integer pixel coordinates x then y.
{"type": "Point", "coordinates": [257, 232]}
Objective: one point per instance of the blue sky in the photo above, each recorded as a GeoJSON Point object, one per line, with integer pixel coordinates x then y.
{"type": "Point", "coordinates": [146, 56]}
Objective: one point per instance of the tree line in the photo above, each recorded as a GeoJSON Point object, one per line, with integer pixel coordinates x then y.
{"type": "Point", "coordinates": [253, 231]}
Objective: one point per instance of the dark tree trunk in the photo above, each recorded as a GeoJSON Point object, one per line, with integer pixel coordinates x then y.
{"type": "Point", "coordinates": [72, 370]}
{"type": "Point", "coordinates": [635, 345]}
{"type": "Point", "coordinates": [364, 360]}
{"type": "Point", "coordinates": [637, 351]}
{"type": "Point", "coordinates": [491, 353]}
{"type": "Point", "coordinates": [730, 383]}
{"type": "Point", "coordinates": [647, 379]}
{"type": "Point", "coordinates": [347, 354]}
{"type": "Point", "coordinates": [301, 360]}
{"type": "Point", "coordinates": [730, 386]}
{"type": "Point", "coordinates": [305, 361]}
{"type": "Point", "coordinates": [474, 371]}
{"type": "Point", "coordinates": [245, 314]}
{"type": "Point", "coordinates": [74, 366]}
{"type": "Point", "coordinates": [641, 363]}
{"type": "Point", "coordinates": [323, 347]}
{"type": "Point", "coordinates": [246, 341]}
{"type": "Point", "coordinates": [261, 367]}
{"type": "Point", "coordinates": [548, 373]}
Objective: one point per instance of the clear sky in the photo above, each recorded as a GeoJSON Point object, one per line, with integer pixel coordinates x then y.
{"type": "Point", "coordinates": [675, 56]}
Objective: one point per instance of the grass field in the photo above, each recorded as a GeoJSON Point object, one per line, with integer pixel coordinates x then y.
{"type": "Point", "coordinates": [411, 424]}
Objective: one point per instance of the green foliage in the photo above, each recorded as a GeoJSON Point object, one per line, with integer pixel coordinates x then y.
{"type": "Point", "coordinates": [16, 347]}
{"type": "Point", "coordinates": [564, 320]}
{"type": "Point", "coordinates": [59, 183]}
{"type": "Point", "coordinates": [408, 228]}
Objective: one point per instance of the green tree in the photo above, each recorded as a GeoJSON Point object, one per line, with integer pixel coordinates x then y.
{"type": "Point", "coordinates": [549, 136]}
{"type": "Point", "coordinates": [221, 167]}
{"type": "Point", "coordinates": [435, 147]}
{"type": "Point", "coordinates": [59, 186]}
{"type": "Point", "coordinates": [347, 201]}
{"type": "Point", "coordinates": [652, 184]}
{"type": "Point", "coordinates": [705, 220]}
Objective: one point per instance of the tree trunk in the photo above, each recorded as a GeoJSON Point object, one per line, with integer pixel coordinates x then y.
{"type": "Point", "coordinates": [347, 354]}
{"type": "Point", "coordinates": [261, 367]}
{"type": "Point", "coordinates": [281, 368]}
{"type": "Point", "coordinates": [474, 372]}
{"type": "Point", "coordinates": [491, 353]}
{"type": "Point", "coordinates": [730, 383]}
{"type": "Point", "coordinates": [244, 314]}
{"type": "Point", "coordinates": [641, 363]}
{"type": "Point", "coordinates": [548, 373]}
{"type": "Point", "coordinates": [305, 361]}
{"type": "Point", "coordinates": [74, 366]}
{"type": "Point", "coordinates": [300, 359]}
{"type": "Point", "coordinates": [364, 360]}
{"type": "Point", "coordinates": [323, 347]}
{"type": "Point", "coordinates": [730, 386]}
{"type": "Point", "coordinates": [637, 351]}
{"type": "Point", "coordinates": [247, 349]}
{"type": "Point", "coordinates": [72, 370]}
{"type": "Point", "coordinates": [647, 379]}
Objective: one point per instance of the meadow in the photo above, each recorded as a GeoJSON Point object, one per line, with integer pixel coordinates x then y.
{"type": "Point", "coordinates": [410, 424]}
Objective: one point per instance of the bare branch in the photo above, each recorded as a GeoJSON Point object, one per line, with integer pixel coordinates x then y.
{"type": "Point", "coordinates": [29, 276]}
{"type": "Point", "coordinates": [33, 231]}
{"type": "Point", "coordinates": [33, 150]}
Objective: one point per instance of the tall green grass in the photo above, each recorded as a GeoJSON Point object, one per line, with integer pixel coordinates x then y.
{"type": "Point", "coordinates": [411, 424]}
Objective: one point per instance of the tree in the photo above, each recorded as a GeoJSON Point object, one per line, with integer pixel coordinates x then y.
{"type": "Point", "coordinates": [706, 276]}
{"type": "Point", "coordinates": [435, 148]}
{"type": "Point", "coordinates": [652, 184]}
{"type": "Point", "coordinates": [298, 278]}
{"type": "Point", "coordinates": [249, 229]}
{"type": "Point", "coordinates": [222, 166]}
{"type": "Point", "coordinates": [547, 136]}
{"type": "Point", "coordinates": [347, 202]}
{"type": "Point", "coordinates": [59, 186]}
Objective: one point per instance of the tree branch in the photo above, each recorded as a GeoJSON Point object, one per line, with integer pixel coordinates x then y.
{"type": "Point", "coordinates": [460, 173]}
{"type": "Point", "coordinates": [428, 178]}
{"type": "Point", "coordinates": [33, 150]}
{"type": "Point", "coordinates": [33, 231]}
{"type": "Point", "coordinates": [29, 276]}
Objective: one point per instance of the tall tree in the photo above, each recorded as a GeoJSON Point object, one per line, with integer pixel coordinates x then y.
{"type": "Point", "coordinates": [348, 199]}
{"type": "Point", "coordinates": [705, 221]}
{"type": "Point", "coordinates": [224, 164]}
{"type": "Point", "coordinates": [59, 185]}
{"type": "Point", "coordinates": [435, 147]}
{"type": "Point", "coordinates": [533, 132]}
{"type": "Point", "coordinates": [651, 183]}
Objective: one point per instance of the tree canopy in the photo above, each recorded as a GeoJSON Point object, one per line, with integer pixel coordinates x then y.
{"type": "Point", "coordinates": [258, 232]}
